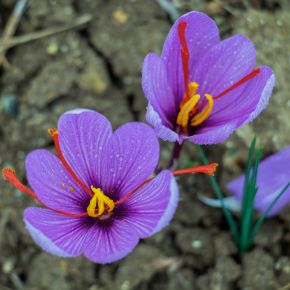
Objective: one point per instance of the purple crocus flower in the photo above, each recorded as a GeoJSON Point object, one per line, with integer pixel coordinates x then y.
{"type": "Point", "coordinates": [98, 195]}
{"type": "Point", "coordinates": [201, 88]}
{"type": "Point", "coordinates": [273, 175]}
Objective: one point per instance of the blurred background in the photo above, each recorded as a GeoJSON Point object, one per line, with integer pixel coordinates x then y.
{"type": "Point", "coordinates": [65, 54]}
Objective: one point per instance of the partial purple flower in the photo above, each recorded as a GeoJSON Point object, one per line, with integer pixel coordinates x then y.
{"type": "Point", "coordinates": [273, 175]}
{"type": "Point", "coordinates": [201, 88]}
{"type": "Point", "coordinates": [99, 199]}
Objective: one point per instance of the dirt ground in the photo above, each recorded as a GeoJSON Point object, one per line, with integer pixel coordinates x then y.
{"type": "Point", "coordinates": [98, 66]}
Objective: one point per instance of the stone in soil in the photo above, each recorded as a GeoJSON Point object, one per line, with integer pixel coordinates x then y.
{"type": "Point", "coordinates": [124, 35]}
{"type": "Point", "coordinates": [140, 266]}
{"type": "Point", "coordinates": [53, 273]}
{"type": "Point", "coordinates": [197, 243]}
{"type": "Point", "coordinates": [258, 271]}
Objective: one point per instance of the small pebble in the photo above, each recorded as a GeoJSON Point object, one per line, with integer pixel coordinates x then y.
{"type": "Point", "coordinates": [52, 48]}
{"type": "Point", "coordinates": [120, 16]}
{"type": "Point", "coordinates": [196, 244]}
{"type": "Point", "coordinates": [10, 104]}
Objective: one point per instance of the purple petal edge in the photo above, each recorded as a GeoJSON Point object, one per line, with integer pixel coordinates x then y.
{"type": "Point", "coordinates": [161, 131]}
{"type": "Point", "coordinates": [266, 94]}
{"type": "Point", "coordinates": [44, 242]}
{"type": "Point", "coordinates": [171, 207]}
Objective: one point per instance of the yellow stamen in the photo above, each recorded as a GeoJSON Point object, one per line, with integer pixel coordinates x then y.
{"type": "Point", "coordinates": [186, 108]}
{"type": "Point", "coordinates": [102, 200]}
{"type": "Point", "coordinates": [193, 86]}
{"type": "Point", "coordinates": [203, 115]}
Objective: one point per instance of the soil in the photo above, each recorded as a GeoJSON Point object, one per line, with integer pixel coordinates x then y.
{"type": "Point", "coordinates": [99, 67]}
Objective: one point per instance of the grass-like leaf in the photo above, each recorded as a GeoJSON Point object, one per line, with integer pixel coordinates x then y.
{"type": "Point", "coordinates": [229, 217]}
{"type": "Point", "coordinates": [262, 218]}
{"type": "Point", "coordinates": [249, 193]}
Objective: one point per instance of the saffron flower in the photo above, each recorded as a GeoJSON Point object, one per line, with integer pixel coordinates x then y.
{"type": "Point", "coordinates": [98, 193]}
{"type": "Point", "coordinates": [273, 175]}
{"type": "Point", "coordinates": [201, 88]}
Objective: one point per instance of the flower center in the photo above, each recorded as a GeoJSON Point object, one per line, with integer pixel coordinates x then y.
{"type": "Point", "coordinates": [99, 203]}
{"type": "Point", "coordinates": [188, 107]}
{"type": "Point", "coordinates": [193, 111]}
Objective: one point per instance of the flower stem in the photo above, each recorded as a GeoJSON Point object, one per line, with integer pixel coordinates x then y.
{"type": "Point", "coordinates": [176, 150]}
{"type": "Point", "coordinates": [229, 217]}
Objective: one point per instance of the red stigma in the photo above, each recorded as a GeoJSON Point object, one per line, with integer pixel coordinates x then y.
{"type": "Point", "coordinates": [10, 176]}
{"type": "Point", "coordinates": [206, 169]}
{"type": "Point", "coordinates": [249, 76]}
{"type": "Point", "coordinates": [185, 56]}
{"type": "Point", "coordinates": [133, 191]}
{"type": "Point", "coordinates": [54, 134]}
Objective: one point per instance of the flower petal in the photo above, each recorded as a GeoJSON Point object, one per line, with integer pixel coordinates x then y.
{"type": "Point", "coordinates": [171, 206]}
{"type": "Point", "coordinates": [111, 242]}
{"type": "Point", "coordinates": [201, 34]}
{"type": "Point", "coordinates": [247, 103]}
{"type": "Point", "coordinates": [215, 134]}
{"type": "Point", "coordinates": [269, 78]}
{"type": "Point", "coordinates": [52, 183]}
{"type": "Point", "coordinates": [223, 65]}
{"type": "Point", "coordinates": [161, 131]}
{"type": "Point", "coordinates": [55, 233]}
{"type": "Point", "coordinates": [83, 135]}
{"type": "Point", "coordinates": [131, 157]}
{"type": "Point", "coordinates": [157, 89]}
{"type": "Point", "coordinates": [273, 175]}
{"type": "Point", "coordinates": [152, 207]}
{"type": "Point", "coordinates": [243, 109]}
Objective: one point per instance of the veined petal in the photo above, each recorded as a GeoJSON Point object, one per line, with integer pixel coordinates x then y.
{"type": "Point", "coordinates": [152, 207]}
{"type": "Point", "coordinates": [273, 175]}
{"type": "Point", "coordinates": [53, 184]}
{"type": "Point", "coordinates": [161, 131]}
{"type": "Point", "coordinates": [215, 133]}
{"type": "Point", "coordinates": [83, 135]}
{"type": "Point", "coordinates": [243, 109]}
{"type": "Point", "coordinates": [107, 243]}
{"type": "Point", "coordinates": [201, 34]}
{"type": "Point", "coordinates": [223, 65]}
{"type": "Point", "coordinates": [247, 103]}
{"type": "Point", "coordinates": [157, 89]}
{"type": "Point", "coordinates": [55, 233]}
{"type": "Point", "coordinates": [171, 206]}
{"type": "Point", "coordinates": [267, 77]}
{"type": "Point", "coordinates": [131, 156]}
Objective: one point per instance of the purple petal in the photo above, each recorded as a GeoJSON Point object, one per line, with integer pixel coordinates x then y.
{"type": "Point", "coordinates": [161, 131]}
{"type": "Point", "coordinates": [55, 233]}
{"type": "Point", "coordinates": [273, 175]}
{"type": "Point", "coordinates": [223, 65]}
{"type": "Point", "coordinates": [131, 157]}
{"type": "Point", "coordinates": [249, 102]}
{"type": "Point", "coordinates": [269, 78]}
{"type": "Point", "coordinates": [83, 135]}
{"type": "Point", "coordinates": [171, 207]}
{"type": "Point", "coordinates": [152, 207]}
{"type": "Point", "coordinates": [157, 89]}
{"type": "Point", "coordinates": [201, 34]}
{"type": "Point", "coordinates": [215, 134]}
{"type": "Point", "coordinates": [111, 242]}
{"type": "Point", "coordinates": [52, 184]}
{"type": "Point", "coordinates": [241, 110]}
